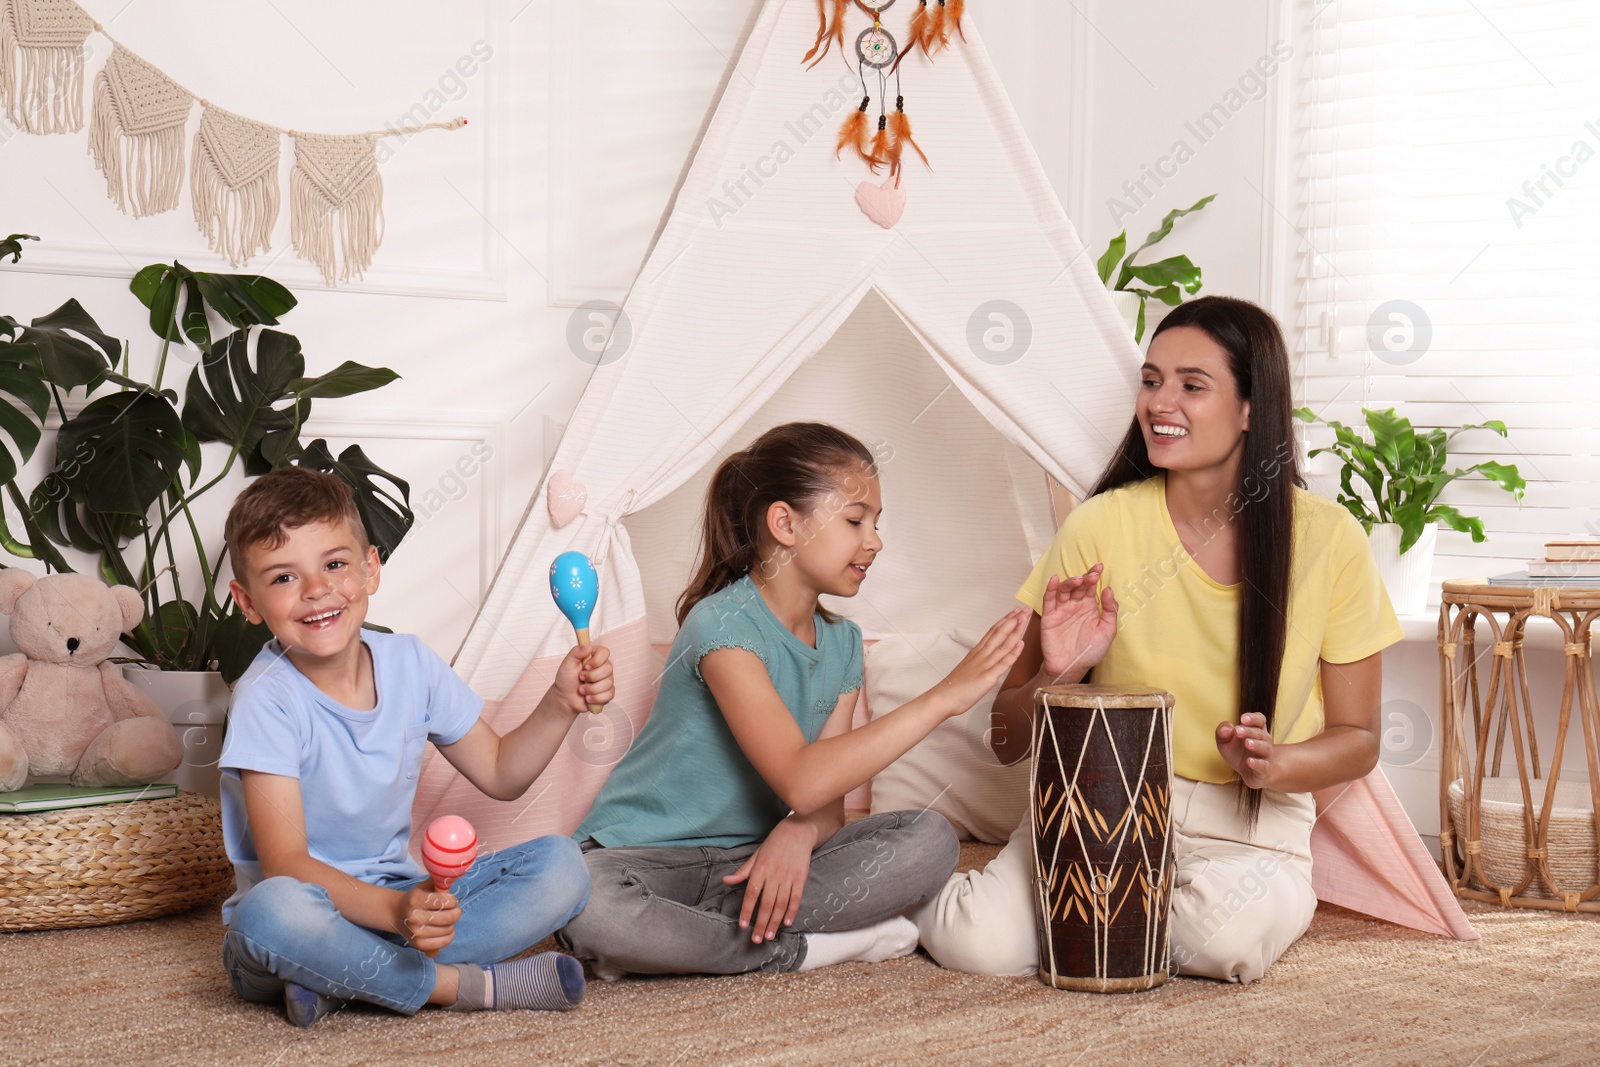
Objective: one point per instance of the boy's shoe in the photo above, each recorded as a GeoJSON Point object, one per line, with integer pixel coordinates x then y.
{"type": "Point", "coordinates": [304, 1007]}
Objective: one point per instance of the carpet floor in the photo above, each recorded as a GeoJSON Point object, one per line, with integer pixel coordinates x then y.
{"type": "Point", "coordinates": [1352, 991]}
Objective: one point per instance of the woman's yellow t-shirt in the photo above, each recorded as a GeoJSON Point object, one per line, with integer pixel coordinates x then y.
{"type": "Point", "coordinates": [1178, 630]}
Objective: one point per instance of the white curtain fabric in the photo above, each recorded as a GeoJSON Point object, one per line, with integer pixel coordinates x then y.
{"type": "Point", "coordinates": [1447, 157]}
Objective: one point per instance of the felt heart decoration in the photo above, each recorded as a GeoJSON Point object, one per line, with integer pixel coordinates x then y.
{"type": "Point", "coordinates": [565, 498]}
{"type": "Point", "coordinates": [883, 204]}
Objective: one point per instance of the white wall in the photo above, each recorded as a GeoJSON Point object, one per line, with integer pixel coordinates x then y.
{"type": "Point", "coordinates": [578, 131]}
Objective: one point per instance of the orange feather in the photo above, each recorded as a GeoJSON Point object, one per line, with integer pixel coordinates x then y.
{"type": "Point", "coordinates": [853, 134]}
{"type": "Point", "coordinates": [919, 27]}
{"type": "Point", "coordinates": [880, 150]}
{"type": "Point", "coordinates": [827, 34]}
{"type": "Point", "coordinates": [957, 9]}
{"type": "Point", "coordinates": [900, 136]}
{"type": "Point", "coordinates": [936, 36]}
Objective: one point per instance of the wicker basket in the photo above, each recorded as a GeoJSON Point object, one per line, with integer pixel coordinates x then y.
{"type": "Point", "coordinates": [111, 864]}
{"type": "Point", "coordinates": [1571, 842]}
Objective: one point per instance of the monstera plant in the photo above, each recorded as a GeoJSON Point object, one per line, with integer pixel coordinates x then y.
{"type": "Point", "coordinates": [129, 463]}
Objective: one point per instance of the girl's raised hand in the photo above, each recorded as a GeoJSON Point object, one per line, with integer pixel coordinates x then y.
{"type": "Point", "coordinates": [1076, 628]}
{"type": "Point", "coordinates": [1247, 746]}
{"type": "Point", "coordinates": [981, 669]}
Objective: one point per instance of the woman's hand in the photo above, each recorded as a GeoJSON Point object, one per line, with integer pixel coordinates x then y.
{"type": "Point", "coordinates": [981, 669]}
{"type": "Point", "coordinates": [584, 678]}
{"type": "Point", "coordinates": [426, 916]}
{"type": "Point", "coordinates": [776, 874]}
{"type": "Point", "coordinates": [1247, 746]}
{"type": "Point", "coordinates": [1076, 627]}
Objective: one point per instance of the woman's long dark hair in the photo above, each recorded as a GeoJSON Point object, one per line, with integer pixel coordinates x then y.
{"type": "Point", "coordinates": [1268, 472]}
{"type": "Point", "coordinates": [795, 463]}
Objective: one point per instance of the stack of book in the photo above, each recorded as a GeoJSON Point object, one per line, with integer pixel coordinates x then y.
{"type": "Point", "coordinates": [53, 796]}
{"type": "Point", "coordinates": [1567, 563]}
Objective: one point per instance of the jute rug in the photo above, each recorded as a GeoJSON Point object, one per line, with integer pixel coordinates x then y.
{"type": "Point", "coordinates": [1352, 991]}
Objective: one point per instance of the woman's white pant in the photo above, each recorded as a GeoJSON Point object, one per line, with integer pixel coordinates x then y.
{"type": "Point", "coordinates": [1239, 899]}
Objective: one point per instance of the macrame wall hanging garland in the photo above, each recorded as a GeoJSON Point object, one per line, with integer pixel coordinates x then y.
{"type": "Point", "coordinates": [878, 56]}
{"type": "Point", "coordinates": [136, 133]}
{"type": "Point", "coordinates": [233, 183]}
{"type": "Point", "coordinates": [336, 202]}
{"type": "Point", "coordinates": [136, 136]}
{"type": "Point", "coordinates": [41, 64]}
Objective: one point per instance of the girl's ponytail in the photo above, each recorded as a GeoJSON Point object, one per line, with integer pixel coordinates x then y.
{"type": "Point", "coordinates": [792, 463]}
{"type": "Point", "coordinates": [727, 551]}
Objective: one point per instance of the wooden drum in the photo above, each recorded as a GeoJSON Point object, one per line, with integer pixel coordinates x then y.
{"type": "Point", "coordinates": [1101, 795]}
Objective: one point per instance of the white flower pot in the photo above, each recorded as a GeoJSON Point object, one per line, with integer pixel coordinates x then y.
{"type": "Point", "coordinates": [1405, 577]}
{"type": "Point", "coordinates": [1128, 305]}
{"type": "Point", "coordinates": [196, 703]}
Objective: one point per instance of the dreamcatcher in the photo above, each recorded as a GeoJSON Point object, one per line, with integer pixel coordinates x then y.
{"type": "Point", "coordinates": [879, 55]}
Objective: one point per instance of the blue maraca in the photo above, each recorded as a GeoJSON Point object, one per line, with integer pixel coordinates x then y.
{"type": "Point", "coordinates": [575, 587]}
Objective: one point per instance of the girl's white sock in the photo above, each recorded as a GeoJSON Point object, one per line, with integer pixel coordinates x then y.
{"type": "Point", "coordinates": [887, 940]}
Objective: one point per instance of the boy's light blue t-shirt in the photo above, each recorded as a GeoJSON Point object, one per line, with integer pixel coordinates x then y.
{"type": "Point", "coordinates": [685, 782]}
{"type": "Point", "coordinates": [357, 769]}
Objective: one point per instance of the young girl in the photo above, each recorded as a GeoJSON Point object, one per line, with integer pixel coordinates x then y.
{"type": "Point", "coordinates": [718, 844]}
{"type": "Point", "coordinates": [1255, 603]}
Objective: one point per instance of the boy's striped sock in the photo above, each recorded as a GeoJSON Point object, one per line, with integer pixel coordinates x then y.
{"type": "Point", "coordinates": [546, 982]}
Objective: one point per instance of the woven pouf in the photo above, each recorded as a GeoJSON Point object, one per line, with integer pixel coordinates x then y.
{"type": "Point", "coordinates": [1501, 829]}
{"type": "Point", "coordinates": [113, 863]}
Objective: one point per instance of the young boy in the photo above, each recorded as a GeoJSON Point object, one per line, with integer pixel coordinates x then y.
{"type": "Point", "coordinates": [325, 739]}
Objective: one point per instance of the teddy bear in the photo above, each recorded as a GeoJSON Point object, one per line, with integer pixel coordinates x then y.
{"type": "Point", "coordinates": [63, 709]}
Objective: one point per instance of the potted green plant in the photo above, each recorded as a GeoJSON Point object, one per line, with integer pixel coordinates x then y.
{"type": "Point", "coordinates": [1403, 473]}
{"type": "Point", "coordinates": [131, 459]}
{"type": "Point", "coordinates": [1166, 280]}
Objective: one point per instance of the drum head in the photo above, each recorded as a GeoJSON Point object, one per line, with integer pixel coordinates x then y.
{"type": "Point", "coordinates": [1104, 696]}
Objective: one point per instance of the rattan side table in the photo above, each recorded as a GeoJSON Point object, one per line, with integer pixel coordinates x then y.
{"type": "Point", "coordinates": [1525, 839]}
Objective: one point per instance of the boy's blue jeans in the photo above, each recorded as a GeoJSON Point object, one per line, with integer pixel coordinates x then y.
{"type": "Point", "coordinates": [286, 930]}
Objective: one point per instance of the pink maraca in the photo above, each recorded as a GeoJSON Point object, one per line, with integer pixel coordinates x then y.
{"type": "Point", "coordinates": [448, 849]}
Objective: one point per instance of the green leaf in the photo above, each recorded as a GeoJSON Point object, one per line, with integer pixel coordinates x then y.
{"type": "Point", "coordinates": [147, 281]}
{"type": "Point", "coordinates": [1138, 327]}
{"type": "Point", "coordinates": [235, 643]}
{"type": "Point", "coordinates": [1393, 439]}
{"type": "Point", "coordinates": [1412, 519]}
{"type": "Point", "coordinates": [231, 401]}
{"type": "Point", "coordinates": [346, 379]}
{"type": "Point", "coordinates": [245, 300]}
{"type": "Point", "coordinates": [1158, 234]}
{"type": "Point", "coordinates": [63, 520]}
{"type": "Point", "coordinates": [157, 287]}
{"type": "Point", "coordinates": [12, 246]}
{"type": "Point", "coordinates": [131, 449]}
{"type": "Point", "coordinates": [179, 629]}
{"type": "Point", "coordinates": [170, 395]}
{"type": "Point", "coordinates": [1177, 271]}
{"type": "Point", "coordinates": [279, 448]}
{"type": "Point", "coordinates": [1457, 521]}
{"type": "Point", "coordinates": [1112, 255]}
{"type": "Point", "coordinates": [194, 324]}
{"type": "Point", "coordinates": [192, 455]}
{"type": "Point", "coordinates": [385, 512]}
{"type": "Point", "coordinates": [73, 350]}
{"type": "Point", "coordinates": [24, 401]}
{"type": "Point", "coordinates": [1504, 475]}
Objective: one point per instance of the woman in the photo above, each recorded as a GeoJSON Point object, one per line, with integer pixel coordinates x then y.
{"type": "Point", "coordinates": [1255, 603]}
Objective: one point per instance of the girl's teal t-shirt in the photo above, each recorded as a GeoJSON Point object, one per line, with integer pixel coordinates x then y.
{"type": "Point", "coordinates": [685, 782]}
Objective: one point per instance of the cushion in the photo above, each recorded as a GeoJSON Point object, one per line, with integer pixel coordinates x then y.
{"type": "Point", "coordinates": [952, 771]}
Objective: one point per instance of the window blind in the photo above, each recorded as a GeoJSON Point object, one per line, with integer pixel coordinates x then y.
{"type": "Point", "coordinates": [1445, 174]}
